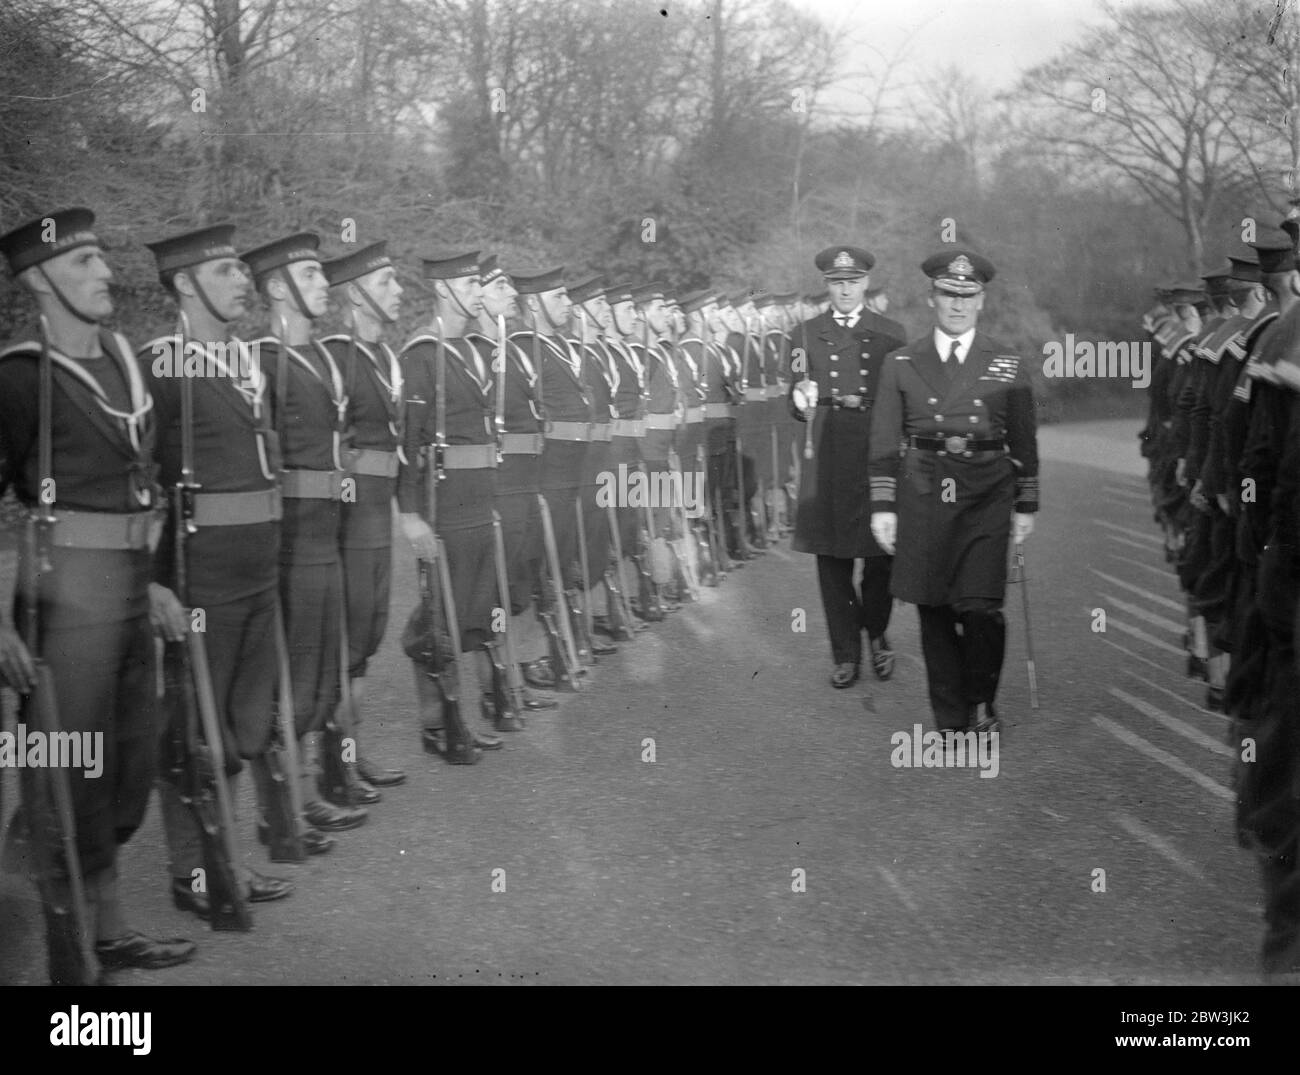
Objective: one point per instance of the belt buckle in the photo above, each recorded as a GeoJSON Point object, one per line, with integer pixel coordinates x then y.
{"type": "Point", "coordinates": [853, 403]}
{"type": "Point", "coordinates": [954, 445]}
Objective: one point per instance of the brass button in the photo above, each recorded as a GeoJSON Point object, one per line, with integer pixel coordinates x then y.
{"type": "Point", "coordinates": [932, 401]}
{"type": "Point", "coordinates": [834, 373]}
{"type": "Point", "coordinates": [938, 417]}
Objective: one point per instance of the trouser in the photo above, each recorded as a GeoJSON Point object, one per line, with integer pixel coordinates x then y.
{"type": "Point", "coordinates": [103, 677]}
{"type": "Point", "coordinates": [851, 609]}
{"type": "Point", "coordinates": [963, 646]}
{"type": "Point", "coordinates": [367, 578]}
{"type": "Point", "coordinates": [241, 650]}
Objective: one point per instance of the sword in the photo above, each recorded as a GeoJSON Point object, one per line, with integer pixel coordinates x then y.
{"type": "Point", "coordinates": [499, 368]}
{"type": "Point", "coordinates": [1029, 638]}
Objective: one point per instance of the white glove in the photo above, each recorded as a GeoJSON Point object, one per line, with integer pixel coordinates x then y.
{"type": "Point", "coordinates": [884, 528]}
{"type": "Point", "coordinates": [1022, 525]}
{"type": "Point", "coordinates": [420, 536]}
{"type": "Point", "coordinates": [805, 397]}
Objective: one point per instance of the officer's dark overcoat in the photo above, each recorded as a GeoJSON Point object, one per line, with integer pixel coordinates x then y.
{"type": "Point", "coordinates": [954, 509]}
{"type": "Point", "coordinates": [833, 517]}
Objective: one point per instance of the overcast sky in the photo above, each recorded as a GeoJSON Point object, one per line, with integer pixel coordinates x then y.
{"type": "Point", "coordinates": [993, 40]}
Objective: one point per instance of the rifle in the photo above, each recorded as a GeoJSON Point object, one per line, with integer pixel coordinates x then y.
{"type": "Point", "coordinates": [564, 652]}
{"type": "Point", "coordinates": [437, 656]}
{"type": "Point", "coordinates": [742, 504]}
{"type": "Point", "coordinates": [507, 681]}
{"type": "Point", "coordinates": [196, 727]}
{"type": "Point", "coordinates": [287, 806]}
{"type": "Point", "coordinates": [620, 609]}
{"type": "Point", "coordinates": [583, 621]}
{"type": "Point", "coordinates": [47, 795]}
{"type": "Point", "coordinates": [337, 774]}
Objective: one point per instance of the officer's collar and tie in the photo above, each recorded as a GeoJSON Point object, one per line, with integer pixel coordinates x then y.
{"type": "Point", "coordinates": [953, 347]}
{"type": "Point", "coordinates": [850, 319]}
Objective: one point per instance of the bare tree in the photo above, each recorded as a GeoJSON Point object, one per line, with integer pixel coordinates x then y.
{"type": "Point", "coordinates": [1144, 100]}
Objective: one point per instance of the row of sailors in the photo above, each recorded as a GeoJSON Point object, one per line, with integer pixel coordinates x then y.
{"type": "Point", "coordinates": [256, 506]}
{"type": "Point", "coordinates": [1223, 442]}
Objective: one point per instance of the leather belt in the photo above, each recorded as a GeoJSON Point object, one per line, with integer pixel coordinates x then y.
{"type": "Point", "coordinates": [469, 457]}
{"type": "Point", "coordinates": [661, 421]}
{"type": "Point", "coordinates": [627, 427]}
{"type": "Point", "coordinates": [568, 431]}
{"type": "Point", "coordinates": [717, 410]}
{"type": "Point", "coordinates": [600, 431]}
{"type": "Point", "coordinates": [373, 462]}
{"type": "Point", "coordinates": [955, 445]}
{"type": "Point", "coordinates": [522, 443]}
{"type": "Point", "coordinates": [847, 403]}
{"type": "Point", "coordinates": [311, 484]}
{"type": "Point", "coordinates": [107, 530]}
{"type": "Point", "coordinates": [237, 509]}
{"type": "Point", "coordinates": [752, 394]}
{"type": "Point", "coordinates": [694, 414]}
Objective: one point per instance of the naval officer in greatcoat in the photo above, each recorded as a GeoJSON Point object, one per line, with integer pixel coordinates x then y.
{"type": "Point", "coordinates": [964, 483]}
{"type": "Point", "coordinates": [835, 360]}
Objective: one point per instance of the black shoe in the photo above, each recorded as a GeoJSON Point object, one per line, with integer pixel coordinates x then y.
{"type": "Point", "coordinates": [434, 741]}
{"type": "Point", "coordinates": [533, 701]}
{"type": "Point", "coordinates": [137, 950]}
{"type": "Point", "coordinates": [263, 889]}
{"type": "Point", "coordinates": [882, 657]}
{"type": "Point", "coordinates": [355, 792]}
{"type": "Point", "coordinates": [1214, 699]}
{"type": "Point", "coordinates": [488, 741]}
{"type": "Point", "coordinates": [502, 722]}
{"type": "Point", "coordinates": [314, 842]}
{"type": "Point", "coordinates": [329, 818]}
{"type": "Point", "coordinates": [602, 649]}
{"type": "Point", "coordinates": [984, 718]}
{"type": "Point", "coordinates": [184, 898]}
{"type": "Point", "coordinates": [380, 778]}
{"type": "Point", "coordinates": [539, 673]}
{"type": "Point", "coordinates": [845, 675]}
{"type": "Point", "coordinates": [1197, 668]}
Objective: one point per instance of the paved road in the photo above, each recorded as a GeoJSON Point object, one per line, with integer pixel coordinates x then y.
{"type": "Point", "coordinates": [682, 870]}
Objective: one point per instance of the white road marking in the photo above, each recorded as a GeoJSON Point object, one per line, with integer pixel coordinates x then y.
{"type": "Point", "coordinates": [1119, 625]}
{"type": "Point", "coordinates": [1174, 724]}
{"type": "Point", "coordinates": [1164, 572]}
{"type": "Point", "coordinates": [1131, 544]}
{"type": "Point", "coordinates": [1166, 759]}
{"type": "Point", "coordinates": [1146, 617]}
{"type": "Point", "coordinates": [1172, 694]}
{"type": "Point", "coordinates": [1139, 657]}
{"type": "Point", "coordinates": [1136, 494]}
{"type": "Point", "coordinates": [899, 890]}
{"type": "Point", "coordinates": [1159, 844]}
{"type": "Point", "coordinates": [1168, 602]}
{"type": "Point", "coordinates": [1143, 535]}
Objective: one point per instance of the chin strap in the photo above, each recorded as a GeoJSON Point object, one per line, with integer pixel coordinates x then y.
{"type": "Point", "coordinates": [207, 303]}
{"type": "Point", "coordinates": [64, 300]}
{"type": "Point", "coordinates": [469, 317]}
{"type": "Point", "coordinates": [287, 277]}
{"type": "Point", "coordinates": [384, 319]}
